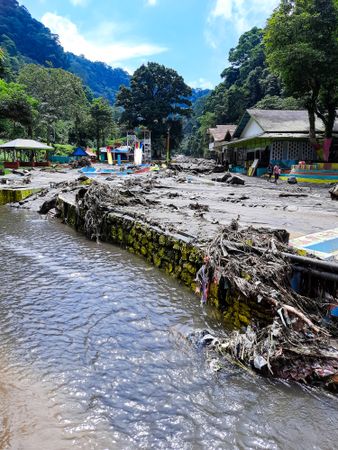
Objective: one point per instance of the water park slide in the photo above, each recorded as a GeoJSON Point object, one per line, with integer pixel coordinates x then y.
{"type": "Point", "coordinates": [109, 156]}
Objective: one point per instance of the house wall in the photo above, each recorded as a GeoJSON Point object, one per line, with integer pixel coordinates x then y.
{"type": "Point", "coordinates": [252, 129]}
{"type": "Point", "coordinates": [284, 153]}
{"type": "Point", "coordinates": [290, 152]}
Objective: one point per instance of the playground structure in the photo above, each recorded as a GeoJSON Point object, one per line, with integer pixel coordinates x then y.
{"type": "Point", "coordinates": [144, 144]}
{"type": "Point", "coordinates": [137, 150]}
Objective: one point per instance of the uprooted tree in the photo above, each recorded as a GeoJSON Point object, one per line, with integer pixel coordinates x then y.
{"type": "Point", "coordinates": [301, 42]}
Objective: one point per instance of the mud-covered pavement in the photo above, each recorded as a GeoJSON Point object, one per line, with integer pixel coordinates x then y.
{"type": "Point", "coordinates": [196, 205]}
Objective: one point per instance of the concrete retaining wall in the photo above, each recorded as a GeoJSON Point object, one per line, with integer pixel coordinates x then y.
{"type": "Point", "coordinates": [174, 254]}
{"type": "Point", "coordinates": [15, 195]}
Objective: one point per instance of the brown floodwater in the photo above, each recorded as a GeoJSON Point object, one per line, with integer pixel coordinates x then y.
{"type": "Point", "coordinates": [93, 355]}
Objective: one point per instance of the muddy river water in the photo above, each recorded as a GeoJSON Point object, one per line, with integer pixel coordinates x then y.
{"type": "Point", "coordinates": [93, 356]}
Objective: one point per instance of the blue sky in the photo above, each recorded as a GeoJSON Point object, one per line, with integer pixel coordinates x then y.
{"type": "Point", "coordinates": [190, 36]}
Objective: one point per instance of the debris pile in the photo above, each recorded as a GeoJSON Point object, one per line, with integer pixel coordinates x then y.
{"type": "Point", "coordinates": [96, 201]}
{"type": "Point", "coordinates": [295, 342]}
{"type": "Point", "coordinates": [194, 165]}
{"type": "Point", "coordinates": [81, 162]}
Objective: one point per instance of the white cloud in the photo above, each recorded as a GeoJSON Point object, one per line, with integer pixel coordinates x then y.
{"type": "Point", "coordinates": [78, 2]}
{"type": "Point", "coordinates": [109, 52]}
{"type": "Point", "coordinates": [151, 2]}
{"type": "Point", "coordinates": [201, 83]}
{"type": "Point", "coordinates": [241, 14]}
{"type": "Point", "coordinates": [222, 8]}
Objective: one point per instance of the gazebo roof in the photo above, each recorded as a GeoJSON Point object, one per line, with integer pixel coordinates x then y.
{"type": "Point", "coordinates": [25, 144]}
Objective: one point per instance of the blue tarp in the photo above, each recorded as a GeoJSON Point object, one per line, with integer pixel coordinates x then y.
{"type": "Point", "coordinates": [79, 152]}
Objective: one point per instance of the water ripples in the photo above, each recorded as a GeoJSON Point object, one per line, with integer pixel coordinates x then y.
{"type": "Point", "coordinates": [93, 339]}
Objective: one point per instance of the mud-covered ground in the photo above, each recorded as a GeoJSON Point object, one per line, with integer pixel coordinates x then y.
{"type": "Point", "coordinates": [197, 205]}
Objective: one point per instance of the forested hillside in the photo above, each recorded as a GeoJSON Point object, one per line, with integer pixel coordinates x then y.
{"type": "Point", "coordinates": [247, 82]}
{"type": "Point", "coordinates": [27, 40]}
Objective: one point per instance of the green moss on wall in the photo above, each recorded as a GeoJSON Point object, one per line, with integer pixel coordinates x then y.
{"type": "Point", "coordinates": [176, 257]}
{"type": "Point", "coordinates": [15, 195]}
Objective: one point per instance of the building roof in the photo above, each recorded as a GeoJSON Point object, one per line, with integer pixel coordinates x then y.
{"type": "Point", "coordinates": [79, 152]}
{"type": "Point", "coordinates": [267, 138]}
{"type": "Point", "coordinates": [25, 144]}
{"type": "Point", "coordinates": [90, 152]}
{"type": "Point", "coordinates": [219, 133]}
{"type": "Point", "coordinates": [279, 121]}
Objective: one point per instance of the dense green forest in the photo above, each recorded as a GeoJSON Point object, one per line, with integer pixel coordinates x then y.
{"type": "Point", "coordinates": [291, 64]}
{"type": "Point", "coordinates": [247, 82]}
{"type": "Point", "coordinates": [62, 98]}
{"type": "Point", "coordinates": [27, 40]}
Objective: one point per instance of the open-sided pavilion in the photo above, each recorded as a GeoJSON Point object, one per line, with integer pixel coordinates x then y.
{"type": "Point", "coordinates": [24, 153]}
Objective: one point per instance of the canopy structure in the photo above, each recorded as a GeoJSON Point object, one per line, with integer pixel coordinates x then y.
{"type": "Point", "coordinates": [79, 152]}
{"type": "Point", "coordinates": [23, 152]}
{"type": "Point", "coordinates": [25, 144]}
{"type": "Point", "coordinates": [122, 149]}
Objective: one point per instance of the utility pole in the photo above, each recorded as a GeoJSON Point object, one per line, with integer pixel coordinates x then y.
{"type": "Point", "coordinates": [168, 144]}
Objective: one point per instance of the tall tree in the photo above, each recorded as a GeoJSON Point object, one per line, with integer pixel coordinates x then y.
{"type": "Point", "coordinates": [61, 95]}
{"type": "Point", "coordinates": [17, 106]}
{"type": "Point", "coordinates": [245, 82]}
{"type": "Point", "coordinates": [301, 41]}
{"type": "Point", "coordinates": [157, 98]}
{"type": "Point", "coordinates": [102, 120]}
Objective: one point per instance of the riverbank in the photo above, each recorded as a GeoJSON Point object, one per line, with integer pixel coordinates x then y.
{"type": "Point", "coordinates": [173, 219]}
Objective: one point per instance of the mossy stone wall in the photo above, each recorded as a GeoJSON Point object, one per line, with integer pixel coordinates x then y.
{"type": "Point", "coordinates": [15, 195]}
{"type": "Point", "coordinates": [177, 257]}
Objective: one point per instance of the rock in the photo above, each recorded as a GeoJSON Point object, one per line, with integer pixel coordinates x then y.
{"type": "Point", "coordinates": [174, 194]}
{"type": "Point", "coordinates": [199, 207]}
{"type": "Point", "coordinates": [289, 194]}
{"type": "Point", "coordinates": [292, 180]}
{"type": "Point", "coordinates": [219, 169]}
{"type": "Point", "coordinates": [27, 180]}
{"type": "Point", "coordinates": [54, 212]}
{"type": "Point", "coordinates": [83, 178]}
{"type": "Point", "coordinates": [47, 206]}
{"type": "Point", "coordinates": [334, 192]}
{"type": "Point", "coordinates": [223, 179]}
{"type": "Point", "coordinates": [236, 180]}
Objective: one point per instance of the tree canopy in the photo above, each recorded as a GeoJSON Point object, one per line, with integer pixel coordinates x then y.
{"type": "Point", "coordinates": [301, 41]}
{"type": "Point", "coordinates": [246, 81]}
{"type": "Point", "coordinates": [61, 95]}
{"type": "Point", "coordinates": [102, 120]}
{"type": "Point", "coordinates": [27, 40]}
{"type": "Point", "coordinates": [157, 98]}
{"type": "Point", "coordinates": [17, 107]}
